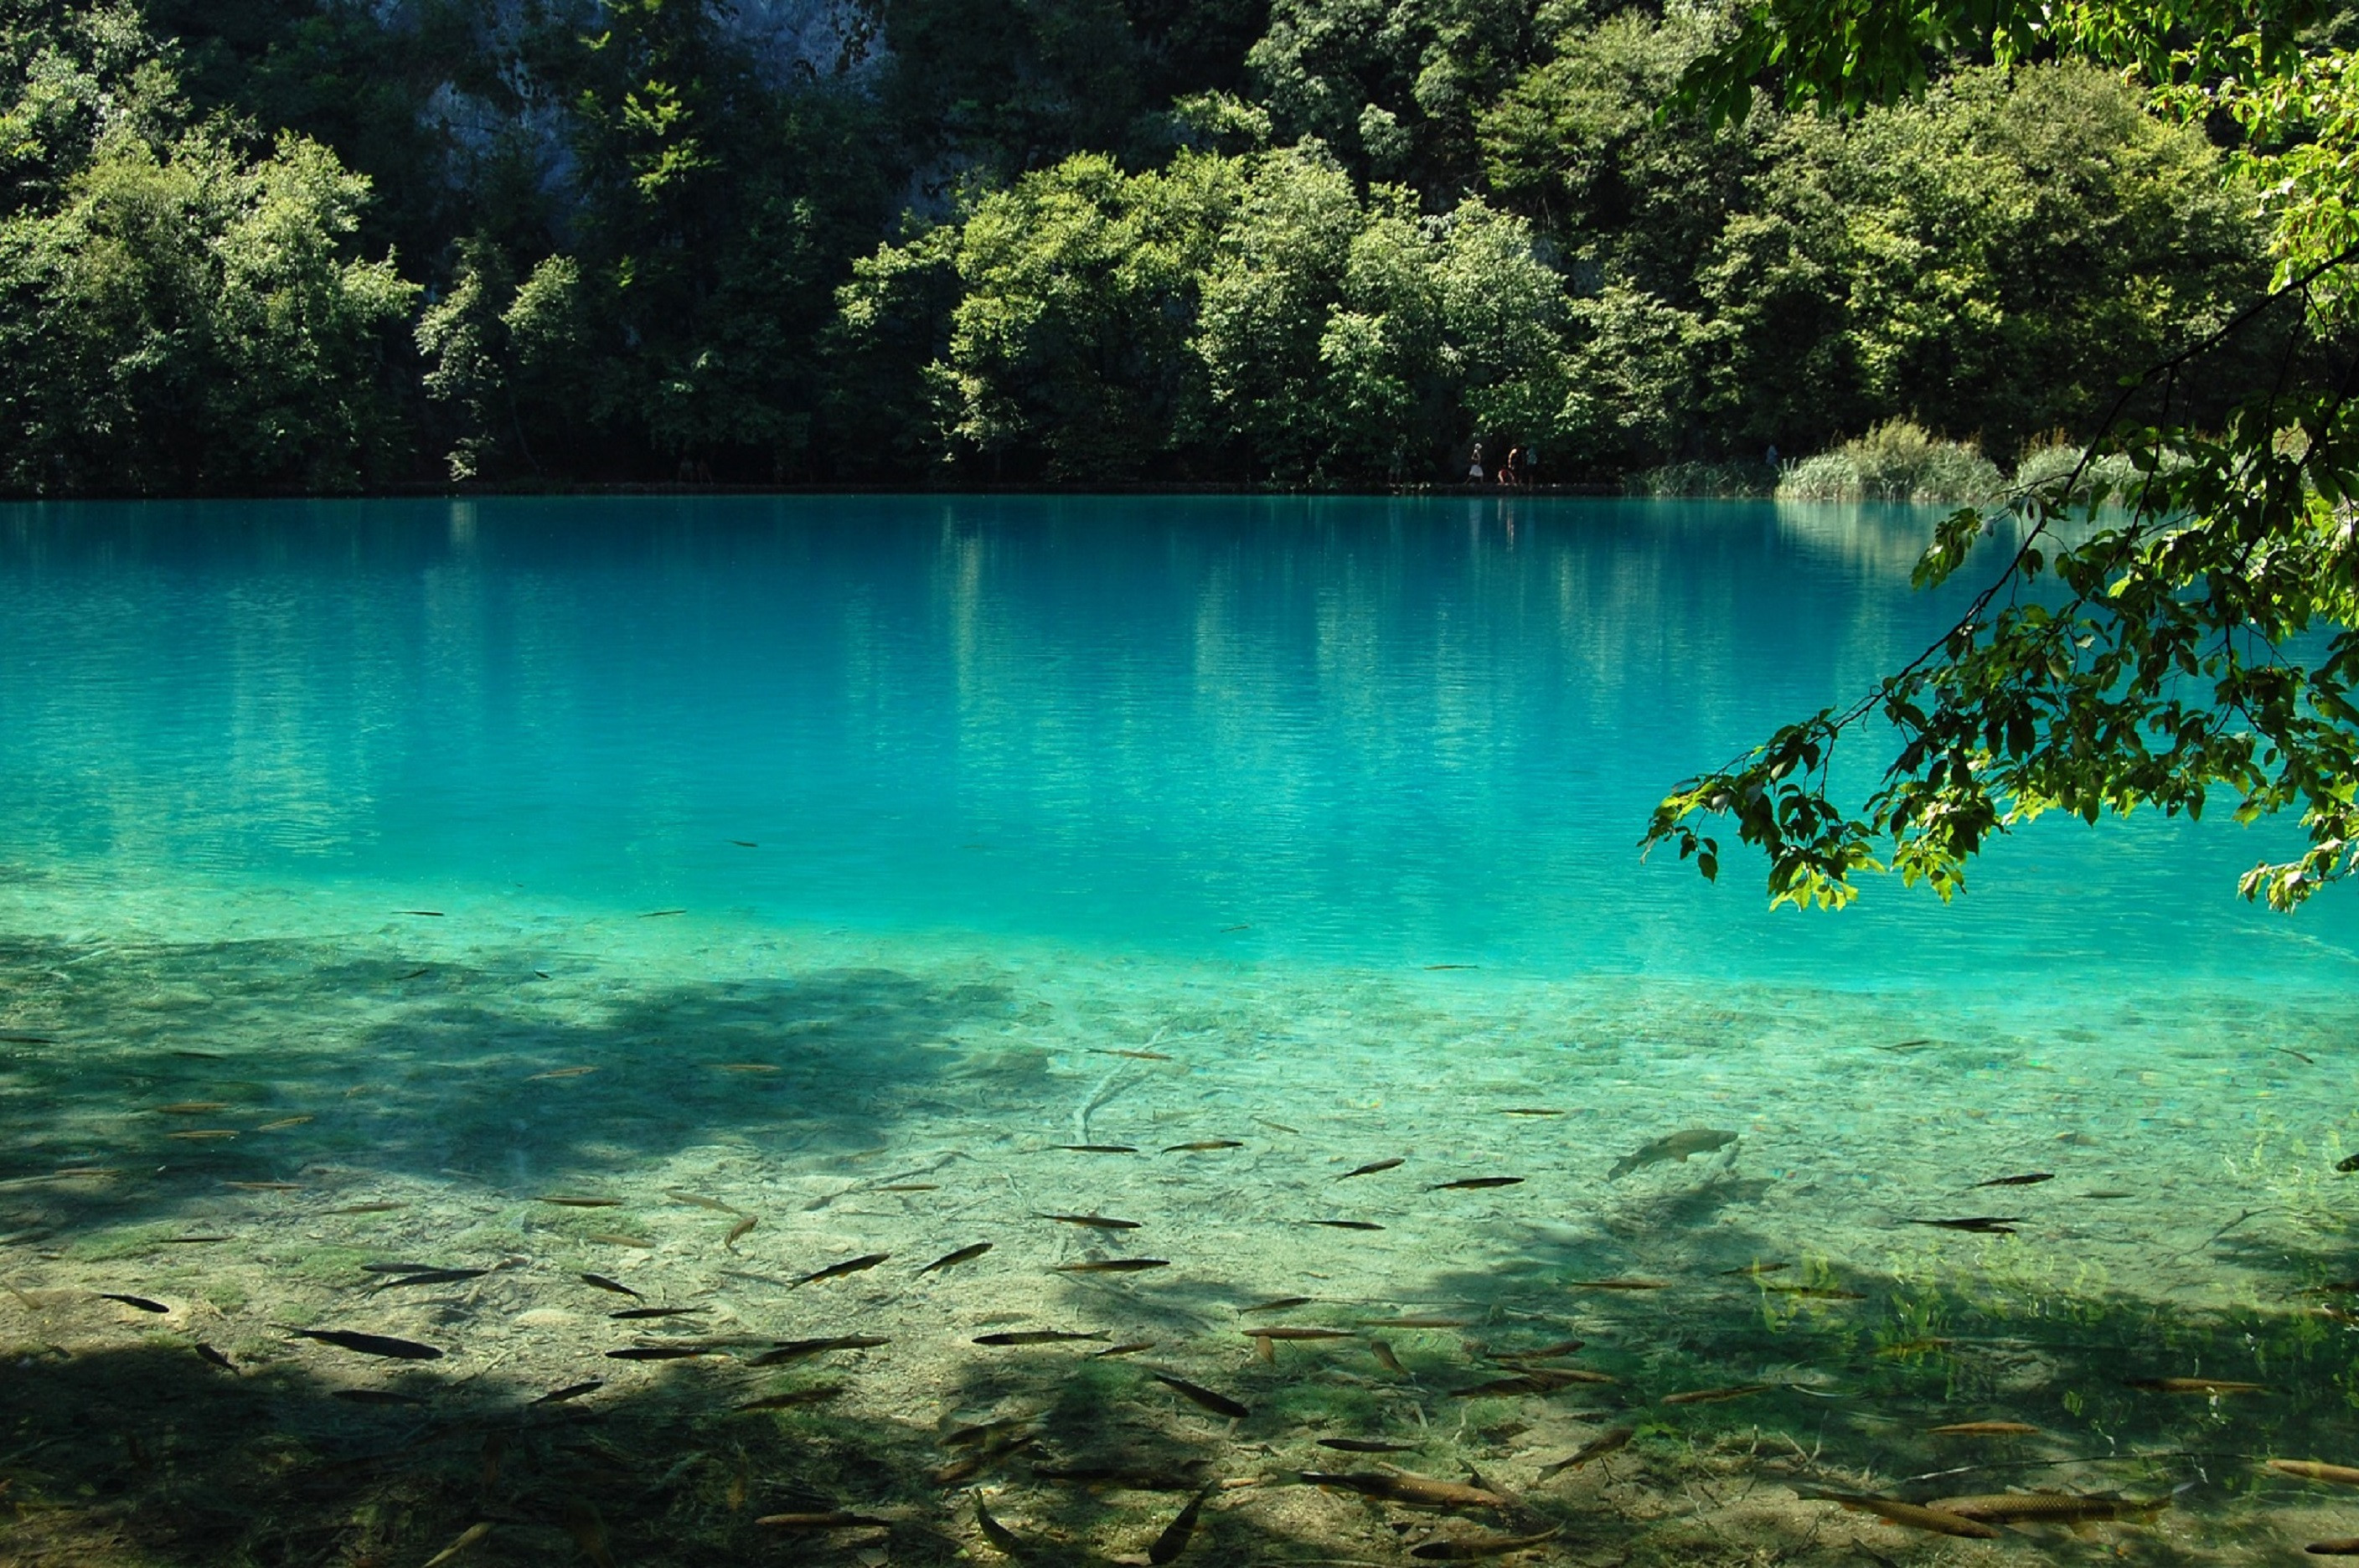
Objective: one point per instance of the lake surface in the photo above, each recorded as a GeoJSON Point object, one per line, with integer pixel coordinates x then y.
{"type": "Point", "coordinates": [373, 873]}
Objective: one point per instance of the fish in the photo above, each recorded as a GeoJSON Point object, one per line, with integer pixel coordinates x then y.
{"type": "Point", "coordinates": [561, 1072]}
{"type": "Point", "coordinates": [28, 1039]}
{"type": "Point", "coordinates": [742, 1229]}
{"type": "Point", "coordinates": [589, 1531]}
{"type": "Point", "coordinates": [570, 1392]}
{"type": "Point", "coordinates": [467, 1538]}
{"type": "Point", "coordinates": [2297, 1056]}
{"type": "Point", "coordinates": [1202, 1146]}
{"type": "Point", "coordinates": [1539, 1380]}
{"type": "Point", "coordinates": [2312, 1470]}
{"type": "Point", "coordinates": [1597, 1447]}
{"type": "Point", "coordinates": [1985, 1429]}
{"type": "Point", "coordinates": [1617, 1283]}
{"type": "Point", "coordinates": [1097, 1147]}
{"type": "Point", "coordinates": [1176, 1535]}
{"type": "Point", "coordinates": [191, 1240]}
{"type": "Point", "coordinates": [791, 1350]}
{"type": "Point", "coordinates": [849, 1265]}
{"type": "Point", "coordinates": [1904, 1045]}
{"type": "Point", "coordinates": [681, 1195]}
{"type": "Point", "coordinates": [1112, 1266]}
{"type": "Point", "coordinates": [1816, 1292]}
{"type": "Point", "coordinates": [660, 1351]}
{"type": "Point", "coordinates": [430, 914]}
{"type": "Point", "coordinates": [998, 1535]}
{"type": "Point", "coordinates": [1713, 1395]}
{"type": "Point", "coordinates": [1134, 1055]}
{"type": "Point", "coordinates": [192, 1107]}
{"type": "Point", "coordinates": [1279, 1305]}
{"type": "Point", "coordinates": [1402, 1486]}
{"type": "Point", "coordinates": [1913, 1515]}
{"type": "Point", "coordinates": [1221, 1404]}
{"type": "Point", "coordinates": [1373, 1167]}
{"type": "Point", "coordinates": [284, 1122]}
{"type": "Point", "coordinates": [1345, 1224]}
{"type": "Point", "coordinates": [1545, 1353]}
{"type": "Point", "coordinates": [617, 1286]}
{"type": "Point", "coordinates": [1384, 1355]}
{"type": "Point", "coordinates": [1476, 1184]}
{"type": "Point", "coordinates": [659, 914]}
{"type": "Point", "coordinates": [142, 1302]}
{"type": "Point", "coordinates": [1469, 1549]}
{"type": "Point", "coordinates": [2333, 1548]}
{"type": "Point", "coordinates": [1410, 1322]}
{"type": "Point", "coordinates": [1133, 1348]}
{"type": "Point", "coordinates": [1288, 1331]}
{"type": "Point", "coordinates": [1035, 1337]}
{"type": "Point", "coordinates": [573, 1201]}
{"type": "Point", "coordinates": [384, 1207]}
{"type": "Point", "coordinates": [982, 1431]}
{"type": "Point", "coordinates": [746, 1067]}
{"type": "Point", "coordinates": [2047, 1508]}
{"type": "Point", "coordinates": [951, 1260]}
{"type": "Point", "coordinates": [1364, 1445]}
{"type": "Point", "coordinates": [1277, 1127]}
{"type": "Point", "coordinates": [1758, 1269]}
{"type": "Point", "coordinates": [2347, 1164]}
{"type": "Point", "coordinates": [2194, 1386]}
{"type": "Point", "coordinates": [612, 1238]}
{"type": "Point", "coordinates": [2031, 1180]}
{"type": "Point", "coordinates": [434, 1276]}
{"type": "Point", "coordinates": [200, 1135]}
{"type": "Point", "coordinates": [834, 1519]}
{"type": "Point", "coordinates": [208, 1353]}
{"type": "Point", "coordinates": [1528, 1111]}
{"type": "Point", "coordinates": [748, 843]}
{"type": "Point", "coordinates": [376, 1397]}
{"type": "Point", "coordinates": [817, 1395]}
{"type": "Point", "coordinates": [633, 1314]}
{"type": "Point", "coordinates": [369, 1343]}
{"type": "Point", "coordinates": [1431, 968]}
{"type": "Point", "coordinates": [1979, 1224]}
{"type": "Point", "coordinates": [910, 1187]}
{"type": "Point", "coordinates": [1671, 1146]}
{"type": "Point", "coordinates": [1095, 1222]}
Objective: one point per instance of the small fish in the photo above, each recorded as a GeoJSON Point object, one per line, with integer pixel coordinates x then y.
{"type": "Point", "coordinates": [1420, 1322]}
{"type": "Point", "coordinates": [910, 1187]}
{"type": "Point", "coordinates": [1133, 1348]}
{"type": "Point", "coordinates": [1985, 1429]}
{"type": "Point", "coordinates": [747, 843]}
{"type": "Point", "coordinates": [2107, 1197]}
{"type": "Point", "coordinates": [570, 1392]}
{"type": "Point", "coordinates": [614, 1285]}
{"type": "Point", "coordinates": [1205, 1146]}
{"type": "Point", "coordinates": [561, 1072]}
{"type": "Point", "coordinates": [1278, 1305]}
{"type": "Point", "coordinates": [998, 1535]}
{"type": "Point", "coordinates": [1433, 968]}
{"type": "Point", "coordinates": [633, 1314]}
{"type": "Point", "coordinates": [2333, 1548]}
{"type": "Point", "coordinates": [2047, 1508]}
{"type": "Point", "coordinates": [1529, 1111]}
{"type": "Point", "coordinates": [142, 1302]}
{"type": "Point", "coordinates": [849, 1265]}
{"type": "Point", "coordinates": [386, 1207]}
{"type": "Point", "coordinates": [1401, 1487]}
{"type": "Point", "coordinates": [1381, 1352]}
{"type": "Point", "coordinates": [1757, 1269]}
{"type": "Point", "coordinates": [1979, 1224]}
{"type": "Point", "coordinates": [370, 1343]}
{"type": "Point", "coordinates": [28, 1039]}
{"type": "Point", "coordinates": [1364, 1445]}
{"type": "Point", "coordinates": [191, 1240]}
{"type": "Point", "coordinates": [434, 1276]}
{"type": "Point", "coordinates": [611, 1238]}
{"type": "Point", "coordinates": [2031, 1180]}
{"type": "Point", "coordinates": [1175, 1537]}
{"type": "Point", "coordinates": [951, 1260]}
{"type": "Point", "coordinates": [680, 1195]}
{"type": "Point", "coordinates": [660, 1351]}
{"type": "Point", "coordinates": [981, 1459]}
{"type": "Point", "coordinates": [2297, 1056]}
{"type": "Point", "coordinates": [430, 914]}
{"type": "Point", "coordinates": [748, 1067]}
{"type": "Point", "coordinates": [1617, 1283]}
{"type": "Point", "coordinates": [1373, 1167]}
{"type": "Point", "coordinates": [284, 1122]}
{"type": "Point", "coordinates": [1816, 1292]}
{"type": "Point", "coordinates": [1545, 1353]}
{"type": "Point", "coordinates": [967, 1435]}
{"type": "Point", "coordinates": [202, 1134]}
{"type": "Point", "coordinates": [571, 1201]}
{"type": "Point", "coordinates": [793, 1350]}
{"type": "Point", "coordinates": [589, 1531]}
{"type": "Point", "coordinates": [1344, 1225]}
{"type": "Point", "coordinates": [467, 1538]}
{"type": "Point", "coordinates": [1713, 1395]}
{"type": "Point", "coordinates": [1672, 1146]}
{"type": "Point", "coordinates": [2194, 1386]}
{"type": "Point", "coordinates": [742, 1229]}
{"type": "Point", "coordinates": [1915, 1516]}
{"type": "Point", "coordinates": [376, 1397]}
{"type": "Point", "coordinates": [1904, 1045]}
{"type": "Point", "coordinates": [1134, 1055]}
{"type": "Point", "coordinates": [659, 914]}
{"type": "Point", "coordinates": [208, 1354]}
{"type": "Point", "coordinates": [2312, 1470]}
{"type": "Point", "coordinates": [835, 1519]}
{"type": "Point", "coordinates": [1096, 1222]}
{"type": "Point", "coordinates": [818, 1396]}
{"type": "Point", "coordinates": [1097, 1147]}
{"type": "Point", "coordinates": [1538, 1380]}
{"type": "Point", "coordinates": [192, 1108]}
{"type": "Point", "coordinates": [1220, 1404]}
{"type": "Point", "coordinates": [1277, 1127]}
{"type": "Point", "coordinates": [1597, 1447]}
{"type": "Point", "coordinates": [1232, 930]}
{"type": "Point", "coordinates": [1470, 1549]}
{"type": "Point", "coordinates": [1035, 1337]}
{"type": "Point", "coordinates": [1476, 1184]}
{"type": "Point", "coordinates": [1283, 1331]}
{"type": "Point", "coordinates": [266, 1186]}
{"type": "Point", "coordinates": [2347, 1164]}
{"type": "Point", "coordinates": [1112, 1266]}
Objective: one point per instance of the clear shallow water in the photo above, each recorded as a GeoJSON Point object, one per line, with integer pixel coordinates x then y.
{"type": "Point", "coordinates": [811, 857]}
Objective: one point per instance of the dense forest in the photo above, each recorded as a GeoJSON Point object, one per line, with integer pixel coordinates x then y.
{"type": "Point", "coordinates": [329, 245]}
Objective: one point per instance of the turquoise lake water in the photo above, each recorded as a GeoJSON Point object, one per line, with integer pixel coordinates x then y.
{"type": "Point", "coordinates": [373, 873]}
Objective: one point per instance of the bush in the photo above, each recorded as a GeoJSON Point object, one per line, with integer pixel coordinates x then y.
{"type": "Point", "coordinates": [2047, 463]}
{"type": "Point", "coordinates": [1714, 479]}
{"type": "Point", "coordinates": [1897, 461]}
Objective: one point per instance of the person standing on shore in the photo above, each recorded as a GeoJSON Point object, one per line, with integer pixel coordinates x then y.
{"type": "Point", "coordinates": [1474, 474]}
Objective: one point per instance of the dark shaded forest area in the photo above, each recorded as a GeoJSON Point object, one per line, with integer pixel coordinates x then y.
{"type": "Point", "coordinates": [332, 244]}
